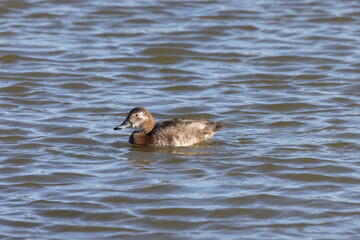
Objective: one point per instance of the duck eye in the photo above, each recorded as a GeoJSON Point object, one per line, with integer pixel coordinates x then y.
{"type": "Point", "coordinates": [136, 115]}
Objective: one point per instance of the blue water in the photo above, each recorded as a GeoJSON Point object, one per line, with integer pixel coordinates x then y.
{"type": "Point", "coordinates": [282, 75]}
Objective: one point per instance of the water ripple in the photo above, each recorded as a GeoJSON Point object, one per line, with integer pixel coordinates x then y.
{"type": "Point", "coordinates": [282, 76]}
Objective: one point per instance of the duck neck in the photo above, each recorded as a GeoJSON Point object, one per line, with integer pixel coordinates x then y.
{"type": "Point", "coordinates": [149, 124]}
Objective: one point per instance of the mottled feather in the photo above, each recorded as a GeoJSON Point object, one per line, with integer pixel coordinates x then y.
{"type": "Point", "coordinates": [172, 132]}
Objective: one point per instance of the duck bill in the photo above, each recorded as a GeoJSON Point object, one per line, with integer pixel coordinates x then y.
{"type": "Point", "coordinates": [125, 124]}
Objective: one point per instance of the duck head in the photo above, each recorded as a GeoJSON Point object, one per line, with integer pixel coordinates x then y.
{"type": "Point", "coordinates": [139, 118]}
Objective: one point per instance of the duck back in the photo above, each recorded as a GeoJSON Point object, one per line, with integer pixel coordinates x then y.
{"type": "Point", "coordinates": [182, 132]}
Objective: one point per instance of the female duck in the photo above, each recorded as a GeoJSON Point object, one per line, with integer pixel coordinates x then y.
{"type": "Point", "coordinates": [174, 132]}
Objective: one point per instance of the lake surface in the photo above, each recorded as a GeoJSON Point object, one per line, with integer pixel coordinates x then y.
{"type": "Point", "coordinates": [284, 76]}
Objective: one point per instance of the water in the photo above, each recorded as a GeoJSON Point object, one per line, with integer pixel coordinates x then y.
{"type": "Point", "coordinates": [282, 75]}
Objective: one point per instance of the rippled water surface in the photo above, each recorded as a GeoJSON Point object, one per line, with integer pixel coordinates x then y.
{"type": "Point", "coordinates": [282, 75]}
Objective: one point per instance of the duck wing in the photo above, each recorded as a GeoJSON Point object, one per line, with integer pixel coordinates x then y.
{"type": "Point", "coordinates": [183, 132]}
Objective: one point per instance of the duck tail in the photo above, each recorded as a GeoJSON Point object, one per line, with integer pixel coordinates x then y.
{"type": "Point", "coordinates": [218, 126]}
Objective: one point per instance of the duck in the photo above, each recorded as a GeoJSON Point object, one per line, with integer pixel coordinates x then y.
{"type": "Point", "coordinates": [170, 132]}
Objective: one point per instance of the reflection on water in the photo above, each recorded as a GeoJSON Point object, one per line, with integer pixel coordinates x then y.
{"type": "Point", "coordinates": [283, 76]}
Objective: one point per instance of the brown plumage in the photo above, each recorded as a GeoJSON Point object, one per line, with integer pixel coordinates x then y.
{"type": "Point", "coordinates": [174, 132]}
